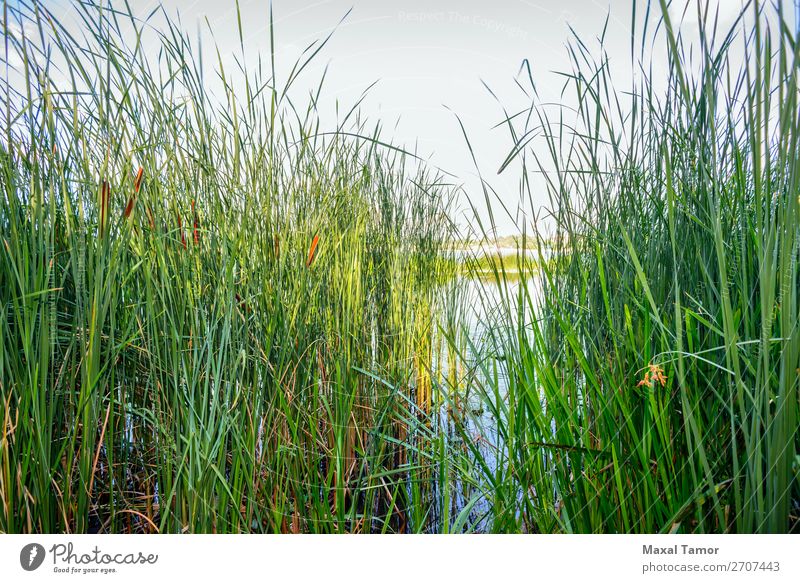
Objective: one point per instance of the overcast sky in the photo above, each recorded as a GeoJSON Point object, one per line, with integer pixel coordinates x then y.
{"type": "Point", "coordinates": [430, 59]}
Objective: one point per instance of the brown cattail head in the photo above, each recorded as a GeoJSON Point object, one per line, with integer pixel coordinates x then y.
{"type": "Point", "coordinates": [277, 247]}
{"type": "Point", "coordinates": [313, 251]}
{"type": "Point", "coordinates": [242, 304]}
{"type": "Point", "coordinates": [129, 207]}
{"type": "Point", "coordinates": [137, 184]}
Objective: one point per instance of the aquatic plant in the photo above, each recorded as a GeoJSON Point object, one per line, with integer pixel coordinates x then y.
{"type": "Point", "coordinates": [678, 199]}
{"type": "Point", "coordinates": [174, 355]}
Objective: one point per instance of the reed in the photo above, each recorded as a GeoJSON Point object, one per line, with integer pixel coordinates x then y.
{"type": "Point", "coordinates": [211, 310]}
{"type": "Point", "coordinates": [219, 313]}
{"type": "Point", "coordinates": [653, 369]}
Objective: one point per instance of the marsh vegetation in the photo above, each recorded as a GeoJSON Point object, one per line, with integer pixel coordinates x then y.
{"type": "Point", "coordinates": [216, 316]}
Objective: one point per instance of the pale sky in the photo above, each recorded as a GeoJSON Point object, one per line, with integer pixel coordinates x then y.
{"type": "Point", "coordinates": [430, 59]}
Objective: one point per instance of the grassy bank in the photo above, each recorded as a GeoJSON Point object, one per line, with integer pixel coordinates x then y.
{"type": "Point", "coordinates": [486, 266]}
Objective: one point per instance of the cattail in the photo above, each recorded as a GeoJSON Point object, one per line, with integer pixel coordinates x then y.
{"type": "Point", "coordinates": [137, 183]}
{"type": "Point", "coordinates": [313, 251]}
{"type": "Point", "coordinates": [277, 247]}
{"type": "Point", "coordinates": [129, 207]}
{"type": "Point", "coordinates": [242, 304]}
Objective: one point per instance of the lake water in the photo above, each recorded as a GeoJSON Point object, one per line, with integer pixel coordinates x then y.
{"type": "Point", "coordinates": [476, 390]}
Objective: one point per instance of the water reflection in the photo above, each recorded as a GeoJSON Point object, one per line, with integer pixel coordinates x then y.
{"type": "Point", "coordinates": [480, 318]}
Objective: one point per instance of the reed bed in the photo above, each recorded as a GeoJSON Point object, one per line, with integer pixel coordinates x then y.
{"type": "Point", "coordinates": [214, 315]}
{"type": "Point", "coordinates": [222, 312]}
{"type": "Point", "coordinates": [653, 368]}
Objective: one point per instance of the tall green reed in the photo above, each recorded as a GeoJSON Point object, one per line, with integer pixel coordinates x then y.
{"type": "Point", "coordinates": [228, 339]}
{"type": "Point", "coordinates": [652, 357]}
